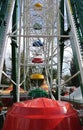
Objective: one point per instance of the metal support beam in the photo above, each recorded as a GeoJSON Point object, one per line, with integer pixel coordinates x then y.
{"type": "Point", "coordinates": [38, 36]}
{"type": "Point", "coordinates": [14, 46]}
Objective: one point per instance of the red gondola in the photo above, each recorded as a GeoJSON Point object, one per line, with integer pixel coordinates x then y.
{"type": "Point", "coordinates": [37, 60]}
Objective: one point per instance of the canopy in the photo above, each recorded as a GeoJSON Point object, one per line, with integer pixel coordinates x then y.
{"type": "Point", "coordinates": [38, 6]}
{"type": "Point", "coordinates": [37, 76]}
{"type": "Point", "coordinates": [37, 26]}
{"type": "Point", "coordinates": [38, 43]}
{"type": "Point", "coordinates": [9, 89]}
{"type": "Point", "coordinates": [45, 87]}
{"type": "Point", "coordinates": [37, 60]}
{"type": "Point", "coordinates": [42, 114]}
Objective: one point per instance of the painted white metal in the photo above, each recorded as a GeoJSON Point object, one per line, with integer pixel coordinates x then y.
{"type": "Point", "coordinates": [10, 9]}
{"type": "Point", "coordinates": [58, 53]}
{"type": "Point", "coordinates": [38, 36]}
{"type": "Point", "coordinates": [19, 52]}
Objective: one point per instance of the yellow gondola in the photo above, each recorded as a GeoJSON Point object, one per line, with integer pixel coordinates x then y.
{"type": "Point", "coordinates": [38, 6]}
{"type": "Point", "coordinates": [37, 76]}
{"type": "Point", "coordinates": [45, 87]}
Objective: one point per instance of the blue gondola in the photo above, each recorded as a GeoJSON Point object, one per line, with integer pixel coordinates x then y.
{"type": "Point", "coordinates": [38, 43]}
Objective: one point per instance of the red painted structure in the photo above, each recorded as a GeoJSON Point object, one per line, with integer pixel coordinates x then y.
{"type": "Point", "coordinates": [42, 114]}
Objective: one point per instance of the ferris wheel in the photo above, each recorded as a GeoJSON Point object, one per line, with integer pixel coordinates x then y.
{"type": "Point", "coordinates": [38, 27]}
{"type": "Point", "coordinates": [37, 35]}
